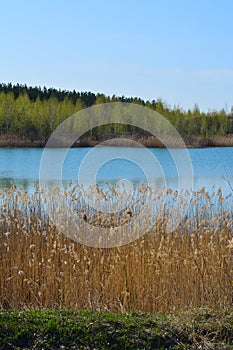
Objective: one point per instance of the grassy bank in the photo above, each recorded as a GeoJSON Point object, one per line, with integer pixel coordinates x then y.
{"type": "Point", "coordinates": [49, 329]}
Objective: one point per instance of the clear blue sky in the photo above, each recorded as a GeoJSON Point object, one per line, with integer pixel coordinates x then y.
{"type": "Point", "coordinates": [177, 50]}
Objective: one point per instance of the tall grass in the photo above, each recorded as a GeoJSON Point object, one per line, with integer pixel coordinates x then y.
{"type": "Point", "coordinates": [191, 266]}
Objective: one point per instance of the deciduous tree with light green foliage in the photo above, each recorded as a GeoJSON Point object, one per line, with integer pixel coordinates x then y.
{"type": "Point", "coordinates": [34, 113]}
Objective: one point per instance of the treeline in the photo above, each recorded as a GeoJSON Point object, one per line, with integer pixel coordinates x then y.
{"type": "Point", "coordinates": [34, 112]}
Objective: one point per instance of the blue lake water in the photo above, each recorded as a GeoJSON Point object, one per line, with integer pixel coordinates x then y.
{"type": "Point", "coordinates": [210, 166]}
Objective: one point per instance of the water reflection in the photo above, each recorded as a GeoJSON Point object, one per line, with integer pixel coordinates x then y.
{"type": "Point", "coordinates": [9, 182]}
{"type": "Point", "coordinates": [212, 167]}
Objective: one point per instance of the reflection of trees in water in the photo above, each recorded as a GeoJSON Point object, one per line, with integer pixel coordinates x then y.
{"type": "Point", "coordinates": [9, 182]}
{"type": "Point", "coordinates": [229, 179]}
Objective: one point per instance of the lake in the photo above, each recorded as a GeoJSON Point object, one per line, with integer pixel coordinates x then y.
{"type": "Point", "coordinates": [211, 166]}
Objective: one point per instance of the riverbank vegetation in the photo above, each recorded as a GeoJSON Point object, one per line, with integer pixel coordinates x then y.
{"type": "Point", "coordinates": [189, 267]}
{"type": "Point", "coordinates": [166, 290]}
{"type": "Point", "coordinates": [28, 116]}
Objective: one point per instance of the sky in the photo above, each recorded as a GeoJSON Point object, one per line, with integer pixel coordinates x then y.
{"type": "Point", "coordinates": [177, 50]}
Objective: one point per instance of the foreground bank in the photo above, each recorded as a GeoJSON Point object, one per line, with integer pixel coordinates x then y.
{"type": "Point", "coordinates": [49, 329]}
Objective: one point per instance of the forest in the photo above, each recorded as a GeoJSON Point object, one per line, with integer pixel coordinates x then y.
{"type": "Point", "coordinates": [28, 116]}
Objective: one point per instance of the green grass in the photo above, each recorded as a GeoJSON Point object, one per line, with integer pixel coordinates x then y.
{"type": "Point", "coordinates": [53, 329]}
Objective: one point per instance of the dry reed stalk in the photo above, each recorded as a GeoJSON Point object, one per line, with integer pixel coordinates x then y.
{"type": "Point", "coordinates": [188, 267]}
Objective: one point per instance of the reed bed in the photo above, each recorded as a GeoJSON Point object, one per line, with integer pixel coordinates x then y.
{"type": "Point", "coordinates": [190, 266]}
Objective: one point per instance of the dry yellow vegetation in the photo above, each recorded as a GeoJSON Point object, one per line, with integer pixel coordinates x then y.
{"type": "Point", "coordinates": [192, 266]}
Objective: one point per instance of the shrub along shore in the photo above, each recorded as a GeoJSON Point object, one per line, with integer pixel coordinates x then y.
{"type": "Point", "coordinates": [14, 141]}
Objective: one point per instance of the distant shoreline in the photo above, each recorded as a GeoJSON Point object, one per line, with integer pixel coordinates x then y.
{"type": "Point", "coordinates": [13, 141]}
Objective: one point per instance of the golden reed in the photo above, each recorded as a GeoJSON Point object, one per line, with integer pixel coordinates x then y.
{"type": "Point", "coordinates": [192, 266]}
